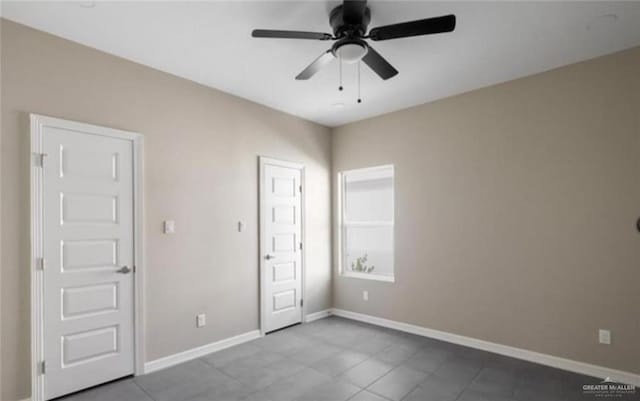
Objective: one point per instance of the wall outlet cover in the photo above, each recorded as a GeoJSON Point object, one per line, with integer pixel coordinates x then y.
{"type": "Point", "coordinates": [604, 336]}
{"type": "Point", "coordinates": [365, 295]}
{"type": "Point", "coordinates": [201, 320]}
{"type": "Point", "coordinates": [169, 226]}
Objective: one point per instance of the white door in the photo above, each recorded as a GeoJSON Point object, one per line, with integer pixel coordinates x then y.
{"type": "Point", "coordinates": [281, 243]}
{"type": "Point", "coordinates": [88, 259]}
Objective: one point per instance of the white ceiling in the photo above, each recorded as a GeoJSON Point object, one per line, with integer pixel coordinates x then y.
{"type": "Point", "coordinates": [210, 43]}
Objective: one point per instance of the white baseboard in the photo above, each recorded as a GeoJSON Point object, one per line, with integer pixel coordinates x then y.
{"type": "Point", "coordinates": [194, 353]}
{"type": "Point", "coordinates": [317, 315]}
{"type": "Point", "coordinates": [518, 353]}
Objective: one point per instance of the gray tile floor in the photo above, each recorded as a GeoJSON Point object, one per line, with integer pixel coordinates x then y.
{"type": "Point", "coordinates": [335, 359]}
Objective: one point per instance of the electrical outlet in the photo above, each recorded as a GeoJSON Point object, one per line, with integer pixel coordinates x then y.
{"type": "Point", "coordinates": [201, 320]}
{"type": "Point", "coordinates": [241, 226]}
{"type": "Point", "coordinates": [169, 227]}
{"type": "Point", "coordinates": [604, 336]}
{"type": "Point", "coordinates": [365, 295]}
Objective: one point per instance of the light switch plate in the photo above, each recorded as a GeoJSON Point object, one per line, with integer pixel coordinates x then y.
{"type": "Point", "coordinates": [365, 295]}
{"type": "Point", "coordinates": [201, 320]}
{"type": "Point", "coordinates": [169, 227]}
{"type": "Point", "coordinates": [604, 336]}
{"type": "Point", "coordinates": [241, 226]}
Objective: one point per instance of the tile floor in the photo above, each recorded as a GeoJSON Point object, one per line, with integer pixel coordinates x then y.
{"type": "Point", "coordinates": [336, 359]}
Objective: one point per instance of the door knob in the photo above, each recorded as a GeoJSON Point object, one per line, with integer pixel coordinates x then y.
{"type": "Point", "coordinates": [124, 270]}
{"type": "Point", "coordinates": [269, 257]}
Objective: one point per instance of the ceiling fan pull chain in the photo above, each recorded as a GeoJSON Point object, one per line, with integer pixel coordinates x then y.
{"type": "Point", "coordinates": [340, 68]}
{"type": "Point", "coordinates": [359, 97]}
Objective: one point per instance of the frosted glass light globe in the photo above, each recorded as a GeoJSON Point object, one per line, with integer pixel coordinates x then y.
{"type": "Point", "coordinates": [351, 52]}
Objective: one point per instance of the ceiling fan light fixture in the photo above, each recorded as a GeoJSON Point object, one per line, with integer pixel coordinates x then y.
{"type": "Point", "coordinates": [351, 52]}
{"type": "Point", "coordinates": [350, 24]}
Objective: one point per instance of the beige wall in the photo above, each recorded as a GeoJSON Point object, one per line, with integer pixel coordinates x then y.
{"type": "Point", "coordinates": [201, 170]}
{"type": "Point", "coordinates": [515, 212]}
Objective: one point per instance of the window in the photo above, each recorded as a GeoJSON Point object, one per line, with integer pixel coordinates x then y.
{"type": "Point", "coordinates": [366, 223]}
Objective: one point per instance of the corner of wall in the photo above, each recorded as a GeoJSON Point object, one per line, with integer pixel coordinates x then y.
{"type": "Point", "coordinates": [332, 244]}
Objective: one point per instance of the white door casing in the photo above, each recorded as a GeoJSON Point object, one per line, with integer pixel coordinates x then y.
{"type": "Point", "coordinates": [85, 282]}
{"type": "Point", "coordinates": [281, 243]}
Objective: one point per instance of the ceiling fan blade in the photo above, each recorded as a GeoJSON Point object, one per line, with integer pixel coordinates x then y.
{"type": "Point", "coordinates": [446, 23]}
{"type": "Point", "coordinates": [378, 64]}
{"type": "Point", "coordinates": [316, 66]}
{"type": "Point", "coordinates": [353, 11]}
{"type": "Point", "coordinates": [269, 33]}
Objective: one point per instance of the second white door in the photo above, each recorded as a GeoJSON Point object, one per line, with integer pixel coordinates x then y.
{"type": "Point", "coordinates": [281, 243]}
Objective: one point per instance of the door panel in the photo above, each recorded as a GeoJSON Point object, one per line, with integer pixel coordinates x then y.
{"type": "Point", "coordinates": [284, 272]}
{"type": "Point", "coordinates": [281, 245]}
{"type": "Point", "coordinates": [89, 254]}
{"type": "Point", "coordinates": [87, 346]}
{"type": "Point", "coordinates": [284, 300]}
{"type": "Point", "coordinates": [88, 209]}
{"type": "Point", "coordinates": [88, 237]}
{"type": "Point", "coordinates": [80, 302]}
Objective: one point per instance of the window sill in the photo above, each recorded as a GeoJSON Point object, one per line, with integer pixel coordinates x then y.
{"type": "Point", "coordinates": [368, 276]}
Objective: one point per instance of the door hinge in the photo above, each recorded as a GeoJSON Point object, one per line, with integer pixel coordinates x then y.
{"type": "Point", "coordinates": [301, 246]}
{"type": "Point", "coordinates": [40, 263]}
{"type": "Point", "coordinates": [39, 159]}
{"type": "Point", "coordinates": [300, 188]}
{"type": "Point", "coordinates": [43, 367]}
{"type": "Point", "coordinates": [302, 302]}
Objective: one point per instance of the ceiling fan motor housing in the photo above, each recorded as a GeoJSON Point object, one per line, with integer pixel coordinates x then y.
{"type": "Point", "coordinates": [350, 24]}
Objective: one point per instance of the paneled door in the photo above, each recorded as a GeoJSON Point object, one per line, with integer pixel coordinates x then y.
{"type": "Point", "coordinates": [88, 256]}
{"type": "Point", "coordinates": [281, 243]}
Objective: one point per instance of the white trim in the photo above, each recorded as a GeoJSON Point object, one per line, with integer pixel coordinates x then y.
{"type": "Point", "coordinates": [337, 229]}
{"type": "Point", "coordinates": [139, 256]}
{"type": "Point", "coordinates": [368, 276]}
{"type": "Point", "coordinates": [518, 353]}
{"type": "Point", "coordinates": [369, 169]}
{"type": "Point", "coordinates": [37, 284]}
{"type": "Point", "coordinates": [312, 317]}
{"type": "Point", "coordinates": [262, 161]}
{"type": "Point", "coordinates": [194, 353]}
{"type": "Point", "coordinates": [279, 162]}
{"type": "Point", "coordinates": [36, 275]}
{"type": "Point", "coordinates": [369, 223]}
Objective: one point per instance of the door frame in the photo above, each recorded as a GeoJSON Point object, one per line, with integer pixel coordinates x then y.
{"type": "Point", "coordinates": [262, 162]}
{"type": "Point", "coordinates": [37, 123]}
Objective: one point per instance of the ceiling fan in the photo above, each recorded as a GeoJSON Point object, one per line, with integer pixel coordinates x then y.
{"type": "Point", "coordinates": [349, 22]}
